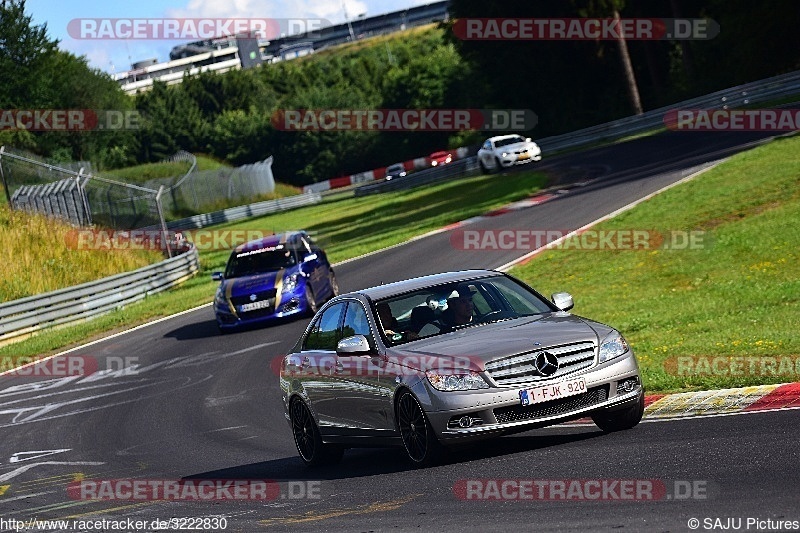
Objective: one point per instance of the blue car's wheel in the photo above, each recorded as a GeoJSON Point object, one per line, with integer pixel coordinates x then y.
{"type": "Point", "coordinates": [311, 302]}
{"type": "Point", "coordinates": [334, 285]}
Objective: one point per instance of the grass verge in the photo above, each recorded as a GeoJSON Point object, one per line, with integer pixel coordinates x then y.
{"type": "Point", "coordinates": [148, 171]}
{"type": "Point", "coordinates": [729, 305]}
{"type": "Point", "coordinates": [347, 227]}
{"type": "Point", "coordinates": [36, 257]}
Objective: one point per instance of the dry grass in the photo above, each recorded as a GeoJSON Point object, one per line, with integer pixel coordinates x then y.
{"type": "Point", "coordinates": [36, 257]}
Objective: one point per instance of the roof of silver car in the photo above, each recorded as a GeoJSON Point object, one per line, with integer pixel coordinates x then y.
{"type": "Point", "coordinates": [399, 287]}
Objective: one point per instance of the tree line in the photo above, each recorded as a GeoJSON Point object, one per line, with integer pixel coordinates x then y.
{"type": "Point", "coordinates": [569, 84]}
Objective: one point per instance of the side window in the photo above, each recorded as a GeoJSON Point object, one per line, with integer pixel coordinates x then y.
{"type": "Point", "coordinates": [355, 322]}
{"type": "Point", "coordinates": [479, 301]}
{"type": "Point", "coordinates": [325, 333]}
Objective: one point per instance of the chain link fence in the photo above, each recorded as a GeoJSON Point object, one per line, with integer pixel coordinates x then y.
{"type": "Point", "coordinates": [200, 191]}
{"type": "Point", "coordinates": [68, 192]}
{"type": "Point", "coordinates": [36, 185]}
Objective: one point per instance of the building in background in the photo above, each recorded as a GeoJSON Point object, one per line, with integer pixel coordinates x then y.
{"type": "Point", "coordinates": [230, 52]}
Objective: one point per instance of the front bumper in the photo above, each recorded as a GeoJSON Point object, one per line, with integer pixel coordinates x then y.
{"type": "Point", "coordinates": [499, 411]}
{"type": "Point", "coordinates": [513, 160]}
{"type": "Point", "coordinates": [291, 304]}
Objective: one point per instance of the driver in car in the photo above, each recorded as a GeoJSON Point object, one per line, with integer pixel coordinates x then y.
{"type": "Point", "coordinates": [459, 308]}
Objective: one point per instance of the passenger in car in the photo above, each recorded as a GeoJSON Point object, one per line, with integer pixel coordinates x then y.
{"type": "Point", "coordinates": [423, 323]}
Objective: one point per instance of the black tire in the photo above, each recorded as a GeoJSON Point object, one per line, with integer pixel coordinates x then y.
{"type": "Point", "coordinates": [311, 301]}
{"type": "Point", "coordinates": [622, 419]}
{"type": "Point", "coordinates": [309, 443]}
{"type": "Point", "coordinates": [421, 445]}
{"type": "Point", "coordinates": [499, 168]}
{"type": "Point", "coordinates": [334, 285]}
{"type": "Point", "coordinates": [484, 170]}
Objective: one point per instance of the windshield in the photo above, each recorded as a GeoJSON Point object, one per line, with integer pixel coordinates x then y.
{"type": "Point", "coordinates": [510, 140]}
{"type": "Point", "coordinates": [442, 309]}
{"type": "Point", "coordinates": [258, 261]}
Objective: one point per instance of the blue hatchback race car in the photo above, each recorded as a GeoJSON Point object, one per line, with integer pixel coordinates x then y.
{"type": "Point", "coordinates": [274, 277]}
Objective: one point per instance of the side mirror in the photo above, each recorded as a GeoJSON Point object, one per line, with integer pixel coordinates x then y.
{"type": "Point", "coordinates": [528, 139]}
{"type": "Point", "coordinates": [563, 300]}
{"type": "Point", "coordinates": [355, 345]}
{"type": "Point", "coordinates": [217, 276]}
{"type": "Point", "coordinates": [309, 257]}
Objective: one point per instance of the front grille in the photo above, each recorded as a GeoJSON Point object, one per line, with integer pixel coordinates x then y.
{"type": "Point", "coordinates": [516, 413]}
{"type": "Point", "coordinates": [260, 295]}
{"type": "Point", "coordinates": [518, 369]}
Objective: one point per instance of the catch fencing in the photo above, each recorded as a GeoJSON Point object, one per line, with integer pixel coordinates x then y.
{"type": "Point", "coordinates": [199, 191]}
{"type": "Point", "coordinates": [83, 199]}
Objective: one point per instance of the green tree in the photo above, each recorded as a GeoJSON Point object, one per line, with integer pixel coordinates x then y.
{"type": "Point", "coordinates": [172, 122]}
{"type": "Point", "coordinates": [26, 57]}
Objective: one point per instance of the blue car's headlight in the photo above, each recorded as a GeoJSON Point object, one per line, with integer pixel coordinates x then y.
{"type": "Point", "coordinates": [290, 282]}
{"type": "Point", "coordinates": [612, 346]}
{"type": "Point", "coordinates": [219, 297]}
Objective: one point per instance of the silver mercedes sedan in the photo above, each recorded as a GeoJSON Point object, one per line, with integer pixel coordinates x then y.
{"type": "Point", "coordinates": [437, 361]}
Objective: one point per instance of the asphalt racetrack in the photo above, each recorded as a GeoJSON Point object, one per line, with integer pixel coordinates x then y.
{"type": "Point", "coordinates": [205, 406]}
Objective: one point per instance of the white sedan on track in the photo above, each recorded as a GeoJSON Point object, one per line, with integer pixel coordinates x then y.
{"type": "Point", "coordinates": [506, 151]}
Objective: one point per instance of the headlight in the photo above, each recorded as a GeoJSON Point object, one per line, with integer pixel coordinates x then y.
{"type": "Point", "coordinates": [612, 346]}
{"type": "Point", "coordinates": [456, 382]}
{"type": "Point", "coordinates": [290, 282]}
{"type": "Point", "coordinates": [505, 154]}
{"type": "Point", "coordinates": [219, 298]}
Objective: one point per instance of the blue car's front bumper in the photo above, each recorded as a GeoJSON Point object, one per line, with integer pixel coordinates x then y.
{"type": "Point", "coordinates": [289, 304]}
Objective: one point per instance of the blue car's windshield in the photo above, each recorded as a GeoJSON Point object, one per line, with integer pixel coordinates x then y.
{"type": "Point", "coordinates": [258, 261]}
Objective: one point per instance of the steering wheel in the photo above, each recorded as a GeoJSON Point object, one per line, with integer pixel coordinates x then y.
{"type": "Point", "coordinates": [491, 315]}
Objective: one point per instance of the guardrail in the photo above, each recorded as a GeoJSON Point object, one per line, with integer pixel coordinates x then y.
{"type": "Point", "coordinates": [244, 211]}
{"type": "Point", "coordinates": [31, 314]}
{"type": "Point", "coordinates": [739, 96]}
{"type": "Point", "coordinates": [742, 95]}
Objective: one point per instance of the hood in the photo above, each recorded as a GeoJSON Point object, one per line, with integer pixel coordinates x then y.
{"type": "Point", "coordinates": [481, 344]}
{"type": "Point", "coordinates": [246, 285]}
{"type": "Point", "coordinates": [518, 146]}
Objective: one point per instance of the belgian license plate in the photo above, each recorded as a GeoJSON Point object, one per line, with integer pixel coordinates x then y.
{"type": "Point", "coordinates": [520, 157]}
{"type": "Point", "coordinates": [262, 304]}
{"type": "Point", "coordinates": [553, 391]}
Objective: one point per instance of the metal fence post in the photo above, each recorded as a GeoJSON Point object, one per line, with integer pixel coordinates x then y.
{"type": "Point", "coordinates": [3, 175]}
{"type": "Point", "coordinates": [84, 197]}
{"type": "Point", "coordinates": [164, 236]}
